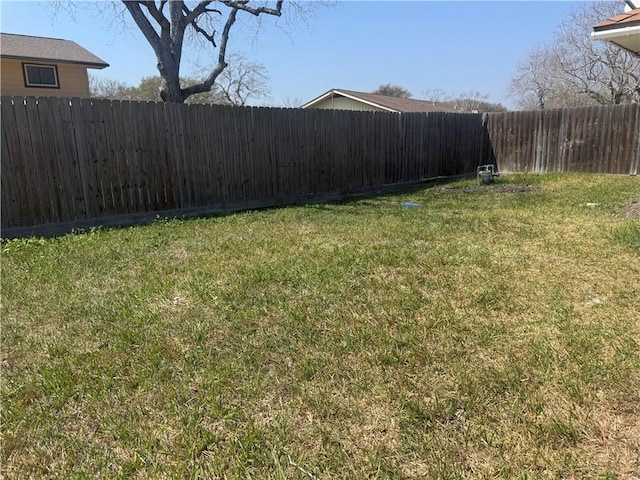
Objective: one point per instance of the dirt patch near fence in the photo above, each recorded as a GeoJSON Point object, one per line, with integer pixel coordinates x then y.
{"type": "Point", "coordinates": [483, 189]}
{"type": "Point", "coordinates": [633, 209]}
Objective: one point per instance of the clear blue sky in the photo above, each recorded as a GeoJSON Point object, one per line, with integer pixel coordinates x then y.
{"type": "Point", "coordinates": [452, 46]}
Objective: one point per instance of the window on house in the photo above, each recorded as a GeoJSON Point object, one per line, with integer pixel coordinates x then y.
{"type": "Point", "coordinates": [40, 75]}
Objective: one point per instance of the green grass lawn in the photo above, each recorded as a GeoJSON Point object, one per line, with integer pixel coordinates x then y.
{"type": "Point", "coordinates": [478, 335]}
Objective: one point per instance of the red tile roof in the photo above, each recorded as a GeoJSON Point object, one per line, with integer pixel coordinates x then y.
{"type": "Point", "coordinates": [47, 49]}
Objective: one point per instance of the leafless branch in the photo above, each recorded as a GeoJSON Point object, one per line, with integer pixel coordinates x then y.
{"type": "Point", "coordinates": [576, 70]}
{"type": "Point", "coordinates": [165, 29]}
{"type": "Point", "coordinates": [244, 5]}
{"type": "Point", "coordinates": [222, 64]}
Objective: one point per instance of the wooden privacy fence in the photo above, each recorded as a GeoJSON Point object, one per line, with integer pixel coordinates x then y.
{"type": "Point", "coordinates": [75, 163]}
{"type": "Point", "coordinates": [72, 162]}
{"type": "Point", "coordinates": [603, 139]}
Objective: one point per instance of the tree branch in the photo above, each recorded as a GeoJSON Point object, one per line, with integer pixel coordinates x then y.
{"type": "Point", "coordinates": [165, 31]}
{"type": "Point", "coordinates": [157, 14]}
{"type": "Point", "coordinates": [243, 5]}
{"type": "Point", "coordinates": [201, 8]}
{"type": "Point", "coordinates": [222, 64]}
{"type": "Point", "coordinates": [197, 28]}
{"type": "Point", "coordinates": [144, 25]}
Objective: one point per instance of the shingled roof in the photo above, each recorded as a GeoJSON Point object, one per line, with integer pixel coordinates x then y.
{"type": "Point", "coordinates": [627, 19]}
{"type": "Point", "coordinates": [622, 30]}
{"type": "Point", "coordinates": [48, 50]}
{"type": "Point", "coordinates": [390, 104]}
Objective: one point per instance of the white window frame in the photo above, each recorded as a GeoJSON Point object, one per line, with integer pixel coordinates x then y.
{"type": "Point", "coordinates": [29, 84]}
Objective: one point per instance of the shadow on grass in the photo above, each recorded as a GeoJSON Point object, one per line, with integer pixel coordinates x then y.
{"type": "Point", "coordinates": [465, 183]}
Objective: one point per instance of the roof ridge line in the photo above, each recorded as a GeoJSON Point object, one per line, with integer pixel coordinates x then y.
{"type": "Point", "coordinates": [36, 36]}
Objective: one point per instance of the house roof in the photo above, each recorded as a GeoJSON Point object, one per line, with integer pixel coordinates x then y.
{"type": "Point", "coordinates": [390, 104]}
{"type": "Point", "coordinates": [626, 19]}
{"type": "Point", "coordinates": [622, 30]}
{"type": "Point", "coordinates": [48, 50]}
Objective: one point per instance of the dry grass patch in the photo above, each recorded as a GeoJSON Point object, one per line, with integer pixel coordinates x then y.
{"type": "Point", "coordinates": [475, 336]}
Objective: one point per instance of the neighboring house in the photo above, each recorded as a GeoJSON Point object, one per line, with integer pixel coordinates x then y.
{"type": "Point", "coordinates": [44, 67]}
{"type": "Point", "coordinates": [622, 30]}
{"type": "Point", "coordinates": [338, 99]}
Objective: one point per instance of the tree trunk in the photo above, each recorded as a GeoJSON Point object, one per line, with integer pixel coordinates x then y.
{"type": "Point", "coordinates": [166, 36]}
{"type": "Point", "coordinates": [170, 91]}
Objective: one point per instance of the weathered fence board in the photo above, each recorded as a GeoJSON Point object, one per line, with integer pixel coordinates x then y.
{"type": "Point", "coordinates": [601, 139]}
{"type": "Point", "coordinates": [635, 142]}
{"type": "Point", "coordinates": [83, 160]}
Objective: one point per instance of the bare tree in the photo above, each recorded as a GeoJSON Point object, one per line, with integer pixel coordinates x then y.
{"type": "Point", "coordinates": [236, 92]}
{"type": "Point", "coordinates": [576, 71]}
{"type": "Point", "coordinates": [598, 69]}
{"type": "Point", "coordinates": [472, 101]}
{"type": "Point", "coordinates": [239, 82]}
{"type": "Point", "coordinates": [242, 80]}
{"type": "Point", "coordinates": [392, 91]}
{"type": "Point", "coordinates": [291, 102]}
{"type": "Point", "coordinates": [540, 84]}
{"type": "Point", "coordinates": [435, 95]}
{"type": "Point", "coordinates": [165, 23]}
{"type": "Point", "coordinates": [535, 81]}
